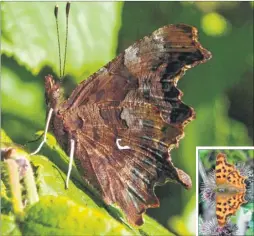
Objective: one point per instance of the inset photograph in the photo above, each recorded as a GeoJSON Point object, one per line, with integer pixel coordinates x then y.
{"type": "Point", "coordinates": [225, 191]}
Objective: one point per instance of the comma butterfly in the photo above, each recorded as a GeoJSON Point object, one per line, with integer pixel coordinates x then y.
{"type": "Point", "coordinates": [230, 190]}
{"type": "Point", "coordinates": [122, 122]}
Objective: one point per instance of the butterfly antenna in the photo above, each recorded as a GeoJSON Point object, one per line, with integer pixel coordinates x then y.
{"type": "Point", "coordinates": [58, 38]}
{"type": "Point", "coordinates": [68, 5]}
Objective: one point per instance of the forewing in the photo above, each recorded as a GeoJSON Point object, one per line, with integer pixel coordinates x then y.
{"type": "Point", "coordinates": [235, 180]}
{"type": "Point", "coordinates": [149, 68]}
{"type": "Point", "coordinates": [222, 169]}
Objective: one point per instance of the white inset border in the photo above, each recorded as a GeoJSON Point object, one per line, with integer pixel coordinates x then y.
{"type": "Point", "coordinates": [197, 174]}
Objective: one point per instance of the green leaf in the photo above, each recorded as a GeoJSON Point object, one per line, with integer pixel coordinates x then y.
{"type": "Point", "coordinates": [9, 226]}
{"type": "Point", "coordinates": [6, 204]}
{"type": "Point", "coordinates": [4, 138]}
{"type": "Point", "coordinates": [45, 169]}
{"type": "Point", "coordinates": [61, 216]}
{"type": "Point", "coordinates": [23, 105]}
{"type": "Point", "coordinates": [251, 154]}
{"type": "Point", "coordinates": [248, 207]}
{"type": "Point", "coordinates": [92, 41]}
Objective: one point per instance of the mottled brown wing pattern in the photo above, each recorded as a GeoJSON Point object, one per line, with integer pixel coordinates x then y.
{"type": "Point", "coordinates": [147, 70]}
{"type": "Point", "coordinates": [132, 102]}
{"type": "Point", "coordinates": [127, 177]}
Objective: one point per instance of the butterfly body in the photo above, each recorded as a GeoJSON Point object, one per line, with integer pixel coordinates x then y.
{"type": "Point", "coordinates": [132, 102]}
{"type": "Point", "coordinates": [230, 190]}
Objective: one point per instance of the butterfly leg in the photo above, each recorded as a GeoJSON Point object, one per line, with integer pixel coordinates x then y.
{"type": "Point", "coordinates": [45, 132]}
{"type": "Point", "coordinates": [72, 148]}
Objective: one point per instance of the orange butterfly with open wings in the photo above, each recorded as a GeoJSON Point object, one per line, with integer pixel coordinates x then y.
{"type": "Point", "coordinates": [230, 190]}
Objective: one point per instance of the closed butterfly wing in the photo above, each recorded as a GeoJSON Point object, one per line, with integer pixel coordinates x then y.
{"type": "Point", "coordinates": [126, 117]}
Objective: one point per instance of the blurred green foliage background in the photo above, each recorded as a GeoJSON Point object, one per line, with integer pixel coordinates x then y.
{"type": "Point", "coordinates": [221, 91]}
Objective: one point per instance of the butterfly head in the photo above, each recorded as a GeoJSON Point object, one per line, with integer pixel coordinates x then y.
{"type": "Point", "coordinates": [53, 92]}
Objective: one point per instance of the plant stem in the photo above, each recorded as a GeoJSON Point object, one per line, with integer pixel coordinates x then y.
{"type": "Point", "coordinates": [15, 186]}
{"type": "Point", "coordinates": [29, 181]}
{"type": "Point", "coordinates": [201, 170]}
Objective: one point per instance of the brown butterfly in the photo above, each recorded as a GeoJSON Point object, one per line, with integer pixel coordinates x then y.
{"type": "Point", "coordinates": [125, 119]}
{"type": "Point", "coordinates": [230, 189]}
